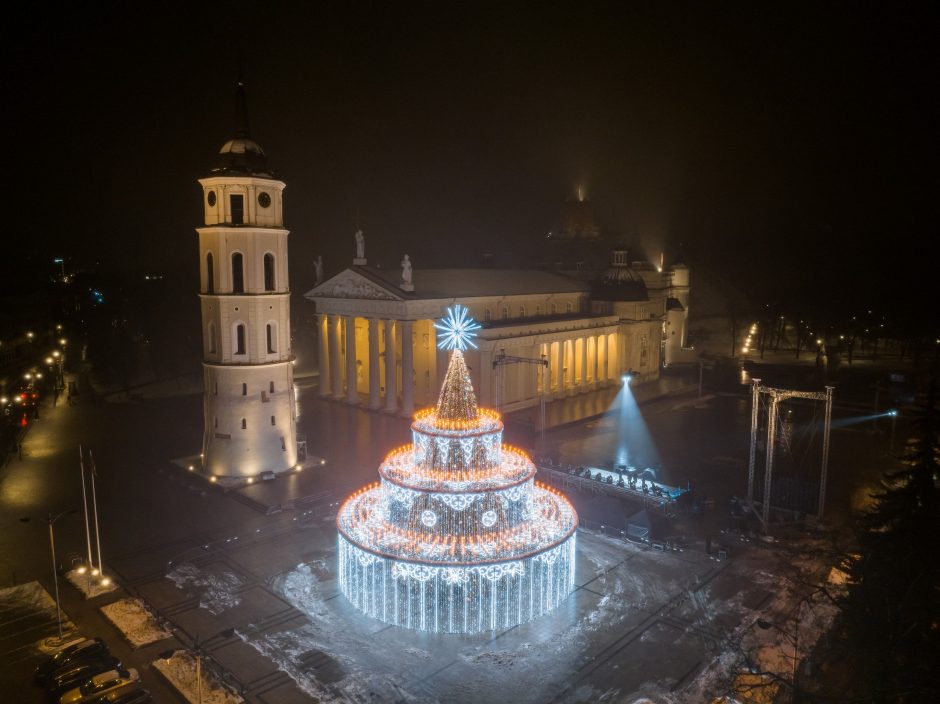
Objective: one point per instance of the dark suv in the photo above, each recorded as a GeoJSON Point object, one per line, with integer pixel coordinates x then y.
{"type": "Point", "coordinates": [93, 648]}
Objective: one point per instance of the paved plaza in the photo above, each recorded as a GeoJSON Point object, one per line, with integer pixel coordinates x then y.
{"type": "Point", "coordinates": [640, 623]}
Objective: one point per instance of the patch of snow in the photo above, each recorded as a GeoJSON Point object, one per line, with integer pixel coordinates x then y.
{"type": "Point", "coordinates": [132, 618]}
{"type": "Point", "coordinates": [90, 586]}
{"type": "Point", "coordinates": [216, 591]}
{"type": "Point", "coordinates": [32, 598]}
{"type": "Point", "coordinates": [180, 672]}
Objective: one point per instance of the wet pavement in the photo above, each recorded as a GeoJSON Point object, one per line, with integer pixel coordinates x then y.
{"type": "Point", "coordinates": [156, 518]}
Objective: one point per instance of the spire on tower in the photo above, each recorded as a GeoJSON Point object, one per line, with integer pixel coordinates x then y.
{"type": "Point", "coordinates": [241, 111]}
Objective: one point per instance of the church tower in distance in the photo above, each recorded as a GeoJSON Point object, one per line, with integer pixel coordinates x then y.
{"type": "Point", "coordinates": [249, 408]}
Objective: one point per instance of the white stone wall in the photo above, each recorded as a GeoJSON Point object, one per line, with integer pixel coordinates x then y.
{"type": "Point", "coordinates": [237, 394]}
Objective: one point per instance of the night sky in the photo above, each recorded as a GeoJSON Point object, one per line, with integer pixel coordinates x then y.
{"type": "Point", "coordinates": [785, 146]}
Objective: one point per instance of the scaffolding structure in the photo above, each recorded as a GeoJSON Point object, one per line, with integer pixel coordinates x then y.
{"type": "Point", "coordinates": [500, 361]}
{"type": "Point", "coordinates": [776, 396]}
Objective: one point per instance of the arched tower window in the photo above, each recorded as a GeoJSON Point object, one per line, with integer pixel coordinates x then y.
{"type": "Point", "coordinates": [210, 273]}
{"type": "Point", "coordinates": [271, 338]}
{"type": "Point", "coordinates": [244, 424]}
{"type": "Point", "coordinates": [505, 315]}
{"type": "Point", "coordinates": [238, 273]}
{"type": "Point", "coordinates": [240, 339]}
{"type": "Point", "coordinates": [487, 316]}
{"type": "Point", "coordinates": [268, 272]}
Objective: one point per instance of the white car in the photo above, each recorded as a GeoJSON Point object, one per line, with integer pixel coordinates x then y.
{"type": "Point", "coordinates": [100, 684]}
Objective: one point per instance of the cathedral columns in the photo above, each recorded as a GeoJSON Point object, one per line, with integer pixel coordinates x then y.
{"type": "Point", "coordinates": [583, 384]}
{"type": "Point", "coordinates": [601, 345]}
{"type": "Point", "coordinates": [352, 392]}
{"type": "Point", "coordinates": [375, 402]}
{"type": "Point", "coordinates": [391, 373]}
{"type": "Point", "coordinates": [324, 361]}
{"type": "Point", "coordinates": [591, 346]}
{"type": "Point", "coordinates": [336, 379]}
{"type": "Point", "coordinates": [407, 368]}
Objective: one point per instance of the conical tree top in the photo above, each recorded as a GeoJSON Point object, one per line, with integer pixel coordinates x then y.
{"type": "Point", "coordinates": [457, 400]}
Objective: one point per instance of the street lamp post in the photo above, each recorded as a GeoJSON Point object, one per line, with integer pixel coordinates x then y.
{"type": "Point", "coordinates": [50, 520]}
{"type": "Point", "coordinates": [196, 650]}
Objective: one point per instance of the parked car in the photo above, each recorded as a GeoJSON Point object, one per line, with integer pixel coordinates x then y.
{"type": "Point", "coordinates": [131, 695]}
{"type": "Point", "coordinates": [78, 674]}
{"type": "Point", "coordinates": [83, 650]}
{"type": "Point", "coordinates": [100, 684]}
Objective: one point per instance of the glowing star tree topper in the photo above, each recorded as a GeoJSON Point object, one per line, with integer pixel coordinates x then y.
{"type": "Point", "coordinates": [458, 328]}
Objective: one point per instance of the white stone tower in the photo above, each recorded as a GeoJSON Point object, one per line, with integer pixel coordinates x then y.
{"type": "Point", "coordinates": [249, 409]}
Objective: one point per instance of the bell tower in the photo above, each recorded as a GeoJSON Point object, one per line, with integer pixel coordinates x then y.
{"type": "Point", "coordinates": [249, 409]}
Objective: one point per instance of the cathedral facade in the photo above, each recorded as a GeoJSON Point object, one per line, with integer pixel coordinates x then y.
{"type": "Point", "coordinates": [543, 333]}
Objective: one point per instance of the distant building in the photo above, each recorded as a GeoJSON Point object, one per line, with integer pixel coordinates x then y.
{"type": "Point", "coordinates": [378, 344]}
{"type": "Point", "coordinates": [578, 220]}
{"type": "Point", "coordinates": [249, 410]}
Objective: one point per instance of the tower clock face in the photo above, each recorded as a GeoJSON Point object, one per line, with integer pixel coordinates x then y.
{"type": "Point", "coordinates": [264, 200]}
{"type": "Point", "coordinates": [210, 199]}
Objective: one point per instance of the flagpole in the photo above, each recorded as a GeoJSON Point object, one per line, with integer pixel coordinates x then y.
{"type": "Point", "coordinates": [94, 501]}
{"type": "Point", "coordinates": [81, 464]}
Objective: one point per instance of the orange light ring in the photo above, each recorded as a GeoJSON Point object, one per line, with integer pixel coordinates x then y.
{"type": "Point", "coordinates": [514, 468]}
{"type": "Point", "coordinates": [506, 541]}
{"type": "Point", "coordinates": [461, 428]}
{"type": "Point", "coordinates": [463, 563]}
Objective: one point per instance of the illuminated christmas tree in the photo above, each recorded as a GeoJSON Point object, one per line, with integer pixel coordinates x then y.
{"type": "Point", "coordinates": [456, 536]}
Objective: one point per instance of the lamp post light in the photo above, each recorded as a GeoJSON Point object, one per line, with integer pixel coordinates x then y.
{"type": "Point", "coordinates": [50, 520]}
{"type": "Point", "coordinates": [196, 651]}
{"type": "Point", "coordinates": [893, 413]}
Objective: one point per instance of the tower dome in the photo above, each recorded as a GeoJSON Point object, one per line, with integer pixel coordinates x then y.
{"type": "Point", "coordinates": [241, 156]}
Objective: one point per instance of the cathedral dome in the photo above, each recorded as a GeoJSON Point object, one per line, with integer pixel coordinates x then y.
{"type": "Point", "coordinates": [621, 282]}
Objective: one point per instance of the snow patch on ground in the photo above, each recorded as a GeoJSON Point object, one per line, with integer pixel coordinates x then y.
{"type": "Point", "coordinates": [88, 585]}
{"type": "Point", "coordinates": [330, 634]}
{"type": "Point", "coordinates": [180, 672]}
{"type": "Point", "coordinates": [339, 656]}
{"type": "Point", "coordinates": [33, 599]}
{"type": "Point", "coordinates": [132, 618]}
{"type": "Point", "coordinates": [216, 592]}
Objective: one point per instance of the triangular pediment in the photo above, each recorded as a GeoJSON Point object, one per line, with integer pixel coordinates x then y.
{"type": "Point", "coordinates": [351, 284]}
